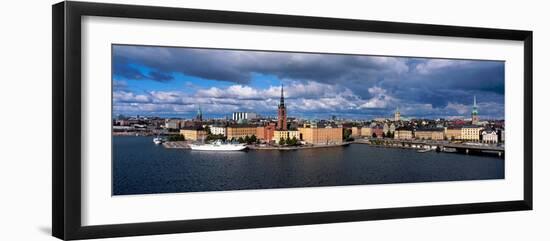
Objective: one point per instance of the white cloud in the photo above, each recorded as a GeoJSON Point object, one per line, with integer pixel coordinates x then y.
{"type": "Point", "coordinates": [380, 99]}
{"type": "Point", "coordinates": [458, 108]}
{"type": "Point", "coordinates": [125, 96]}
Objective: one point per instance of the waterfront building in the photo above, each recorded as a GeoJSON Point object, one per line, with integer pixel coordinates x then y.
{"type": "Point", "coordinates": [239, 116]}
{"type": "Point", "coordinates": [321, 136]}
{"type": "Point", "coordinates": [281, 113]}
{"type": "Point", "coordinates": [193, 133]}
{"type": "Point", "coordinates": [288, 134]}
{"type": "Point", "coordinates": [173, 124]}
{"type": "Point", "coordinates": [453, 133]}
{"type": "Point", "coordinates": [356, 131]}
{"type": "Point", "coordinates": [386, 128]}
{"type": "Point", "coordinates": [403, 133]}
{"type": "Point", "coordinates": [378, 131]}
{"type": "Point", "coordinates": [366, 131]}
{"type": "Point", "coordinates": [429, 134]}
{"type": "Point", "coordinates": [475, 116]}
{"type": "Point", "coordinates": [397, 115]}
{"type": "Point", "coordinates": [392, 128]}
{"type": "Point", "coordinates": [266, 132]}
{"type": "Point", "coordinates": [218, 130]}
{"type": "Point", "coordinates": [236, 131]}
{"type": "Point", "coordinates": [489, 136]}
{"type": "Point", "coordinates": [471, 133]}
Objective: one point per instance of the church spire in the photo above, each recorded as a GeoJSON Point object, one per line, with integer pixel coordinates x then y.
{"type": "Point", "coordinates": [282, 101]}
{"type": "Point", "coordinates": [475, 117]}
{"type": "Point", "coordinates": [281, 112]}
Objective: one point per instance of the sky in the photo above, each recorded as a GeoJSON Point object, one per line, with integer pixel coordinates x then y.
{"type": "Point", "coordinates": [175, 82]}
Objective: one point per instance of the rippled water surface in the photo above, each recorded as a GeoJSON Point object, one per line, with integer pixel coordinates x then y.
{"type": "Point", "coordinates": [141, 167]}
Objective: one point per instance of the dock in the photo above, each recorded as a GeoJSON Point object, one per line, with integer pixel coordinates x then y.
{"type": "Point", "coordinates": [176, 145]}
{"type": "Point", "coordinates": [441, 145]}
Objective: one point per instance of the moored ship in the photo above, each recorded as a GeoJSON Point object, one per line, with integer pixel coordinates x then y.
{"type": "Point", "coordinates": [158, 140]}
{"type": "Point", "coordinates": [218, 146]}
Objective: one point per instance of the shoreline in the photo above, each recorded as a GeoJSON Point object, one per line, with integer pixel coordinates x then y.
{"type": "Point", "coordinates": [184, 145]}
{"type": "Point", "coordinates": [290, 148]}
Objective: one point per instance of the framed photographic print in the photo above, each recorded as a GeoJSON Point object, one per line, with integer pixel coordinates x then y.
{"type": "Point", "coordinates": [169, 120]}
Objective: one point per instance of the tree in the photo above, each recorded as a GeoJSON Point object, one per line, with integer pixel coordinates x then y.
{"type": "Point", "coordinates": [294, 141]}
{"type": "Point", "coordinates": [176, 138]}
{"type": "Point", "coordinates": [252, 139]}
{"type": "Point", "coordinates": [247, 139]}
{"type": "Point", "coordinates": [240, 140]}
{"type": "Point", "coordinates": [374, 135]}
{"type": "Point", "coordinates": [216, 137]}
{"type": "Point", "coordinates": [347, 134]}
{"type": "Point", "coordinates": [282, 141]}
{"type": "Point", "coordinates": [383, 135]}
{"type": "Point", "coordinates": [288, 141]}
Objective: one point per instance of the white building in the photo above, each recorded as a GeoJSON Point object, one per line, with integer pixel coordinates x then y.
{"type": "Point", "coordinates": [218, 130]}
{"type": "Point", "coordinates": [243, 116]}
{"type": "Point", "coordinates": [173, 124]}
{"type": "Point", "coordinates": [392, 128]}
{"type": "Point", "coordinates": [489, 136]}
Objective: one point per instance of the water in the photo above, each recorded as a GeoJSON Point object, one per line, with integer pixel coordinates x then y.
{"type": "Point", "coordinates": [141, 167]}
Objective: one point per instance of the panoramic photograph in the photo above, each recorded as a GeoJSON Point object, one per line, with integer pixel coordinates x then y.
{"type": "Point", "coordinates": [188, 119]}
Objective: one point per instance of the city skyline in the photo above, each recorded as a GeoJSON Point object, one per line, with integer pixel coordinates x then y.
{"type": "Point", "coordinates": [175, 82]}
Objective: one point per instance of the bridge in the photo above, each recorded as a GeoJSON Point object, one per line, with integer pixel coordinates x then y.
{"type": "Point", "coordinates": [436, 145]}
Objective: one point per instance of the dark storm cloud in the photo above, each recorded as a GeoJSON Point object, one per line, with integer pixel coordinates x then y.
{"type": "Point", "coordinates": [126, 68]}
{"type": "Point", "coordinates": [238, 66]}
{"type": "Point", "coordinates": [427, 87]}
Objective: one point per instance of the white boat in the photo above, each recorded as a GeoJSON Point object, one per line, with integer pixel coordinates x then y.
{"type": "Point", "coordinates": [158, 140]}
{"type": "Point", "coordinates": [218, 146]}
{"type": "Point", "coordinates": [423, 150]}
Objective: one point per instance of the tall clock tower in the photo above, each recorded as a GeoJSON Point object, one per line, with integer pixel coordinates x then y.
{"type": "Point", "coordinates": [475, 117]}
{"type": "Point", "coordinates": [281, 113]}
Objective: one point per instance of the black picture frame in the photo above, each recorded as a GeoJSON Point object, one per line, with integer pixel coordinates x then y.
{"type": "Point", "coordinates": [66, 158]}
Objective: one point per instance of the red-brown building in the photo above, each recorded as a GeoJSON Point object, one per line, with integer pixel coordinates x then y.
{"type": "Point", "coordinates": [378, 131]}
{"type": "Point", "coordinates": [281, 113]}
{"type": "Point", "coordinates": [265, 132]}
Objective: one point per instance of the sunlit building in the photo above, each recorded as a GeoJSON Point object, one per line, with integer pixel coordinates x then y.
{"type": "Point", "coordinates": [471, 133]}
{"type": "Point", "coordinates": [403, 133]}
{"type": "Point", "coordinates": [218, 130]}
{"type": "Point", "coordinates": [288, 134]}
{"type": "Point", "coordinates": [193, 133]}
{"type": "Point", "coordinates": [173, 124]}
{"type": "Point", "coordinates": [355, 131]}
{"type": "Point", "coordinates": [238, 116]}
{"type": "Point", "coordinates": [321, 136]}
{"type": "Point", "coordinates": [429, 134]}
{"type": "Point", "coordinates": [489, 136]}
{"type": "Point", "coordinates": [236, 131]}
{"type": "Point", "coordinates": [366, 131]}
{"type": "Point", "coordinates": [453, 133]}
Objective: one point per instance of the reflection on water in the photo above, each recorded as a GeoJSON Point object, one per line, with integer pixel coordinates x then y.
{"type": "Point", "coordinates": [140, 167]}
